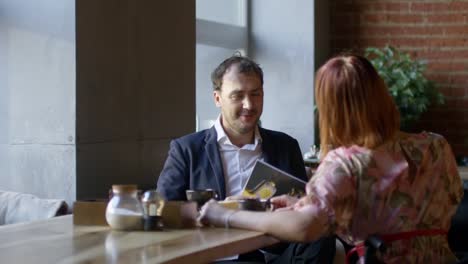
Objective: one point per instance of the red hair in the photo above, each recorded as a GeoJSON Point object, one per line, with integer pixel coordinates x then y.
{"type": "Point", "coordinates": [354, 105]}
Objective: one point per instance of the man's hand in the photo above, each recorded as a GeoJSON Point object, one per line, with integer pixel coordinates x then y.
{"type": "Point", "coordinates": [213, 214]}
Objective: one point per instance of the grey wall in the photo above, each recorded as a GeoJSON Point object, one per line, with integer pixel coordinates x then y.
{"type": "Point", "coordinates": [37, 92]}
{"type": "Point", "coordinates": [135, 89]}
{"type": "Point", "coordinates": [82, 110]}
{"type": "Point", "coordinates": [282, 41]}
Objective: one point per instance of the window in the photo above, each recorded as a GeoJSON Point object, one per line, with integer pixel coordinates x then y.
{"type": "Point", "coordinates": [278, 35]}
{"type": "Point", "coordinates": [221, 31]}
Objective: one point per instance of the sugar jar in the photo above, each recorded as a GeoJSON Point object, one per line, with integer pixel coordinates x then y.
{"type": "Point", "coordinates": [124, 211]}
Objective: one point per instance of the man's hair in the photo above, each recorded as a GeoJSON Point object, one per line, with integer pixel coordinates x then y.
{"type": "Point", "coordinates": [354, 105]}
{"type": "Point", "coordinates": [244, 65]}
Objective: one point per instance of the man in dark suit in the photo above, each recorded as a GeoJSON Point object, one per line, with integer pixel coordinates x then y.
{"type": "Point", "coordinates": [194, 162]}
{"type": "Point", "coordinates": [222, 157]}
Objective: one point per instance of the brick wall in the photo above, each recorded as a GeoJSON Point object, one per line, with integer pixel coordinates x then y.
{"type": "Point", "coordinates": [435, 31]}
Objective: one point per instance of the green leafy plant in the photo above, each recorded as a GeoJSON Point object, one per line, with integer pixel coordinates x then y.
{"type": "Point", "coordinates": [412, 92]}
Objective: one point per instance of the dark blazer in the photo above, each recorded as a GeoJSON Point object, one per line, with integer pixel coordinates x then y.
{"type": "Point", "coordinates": [194, 162]}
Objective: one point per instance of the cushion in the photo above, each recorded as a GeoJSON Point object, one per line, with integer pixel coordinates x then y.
{"type": "Point", "coordinates": [19, 207]}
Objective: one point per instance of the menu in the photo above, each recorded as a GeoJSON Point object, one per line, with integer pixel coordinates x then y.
{"type": "Point", "coordinates": [267, 181]}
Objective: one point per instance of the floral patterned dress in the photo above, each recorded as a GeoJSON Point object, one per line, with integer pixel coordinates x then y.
{"type": "Point", "coordinates": [408, 184]}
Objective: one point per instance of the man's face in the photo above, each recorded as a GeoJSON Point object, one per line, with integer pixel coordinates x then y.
{"type": "Point", "coordinates": [240, 100]}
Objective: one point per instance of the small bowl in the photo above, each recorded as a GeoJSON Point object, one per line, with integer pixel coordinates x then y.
{"type": "Point", "coordinates": [254, 205]}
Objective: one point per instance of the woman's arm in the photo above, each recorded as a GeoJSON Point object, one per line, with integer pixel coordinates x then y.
{"type": "Point", "coordinates": [302, 225]}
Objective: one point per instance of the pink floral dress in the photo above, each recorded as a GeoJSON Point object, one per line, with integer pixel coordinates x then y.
{"type": "Point", "coordinates": [408, 184]}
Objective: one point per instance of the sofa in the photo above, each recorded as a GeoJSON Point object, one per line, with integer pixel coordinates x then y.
{"type": "Point", "coordinates": [22, 207]}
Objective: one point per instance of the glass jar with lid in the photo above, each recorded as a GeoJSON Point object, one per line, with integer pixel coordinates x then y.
{"type": "Point", "coordinates": [124, 211]}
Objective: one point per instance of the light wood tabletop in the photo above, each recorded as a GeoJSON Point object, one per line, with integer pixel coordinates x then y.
{"type": "Point", "coordinates": [57, 240]}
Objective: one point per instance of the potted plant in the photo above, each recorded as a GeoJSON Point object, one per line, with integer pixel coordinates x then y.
{"type": "Point", "coordinates": [412, 92]}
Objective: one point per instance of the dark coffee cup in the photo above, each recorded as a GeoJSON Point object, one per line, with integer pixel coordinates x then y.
{"type": "Point", "coordinates": [254, 205]}
{"type": "Point", "coordinates": [201, 196]}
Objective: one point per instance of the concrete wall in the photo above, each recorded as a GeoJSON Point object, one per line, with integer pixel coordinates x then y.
{"type": "Point", "coordinates": [80, 111]}
{"type": "Point", "coordinates": [37, 92]}
{"type": "Point", "coordinates": [282, 41]}
{"type": "Point", "coordinates": [135, 89]}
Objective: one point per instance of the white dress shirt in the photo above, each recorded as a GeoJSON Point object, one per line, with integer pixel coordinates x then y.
{"type": "Point", "coordinates": [237, 162]}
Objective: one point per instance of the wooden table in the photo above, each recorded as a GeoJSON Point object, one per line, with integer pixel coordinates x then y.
{"type": "Point", "coordinates": [57, 240]}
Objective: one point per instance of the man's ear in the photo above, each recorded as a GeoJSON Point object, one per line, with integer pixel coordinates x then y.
{"type": "Point", "coordinates": [217, 98]}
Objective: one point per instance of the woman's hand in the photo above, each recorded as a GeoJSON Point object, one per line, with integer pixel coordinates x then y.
{"type": "Point", "coordinates": [283, 202]}
{"type": "Point", "coordinates": [310, 186]}
{"type": "Point", "coordinates": [305, 201]}
{"type": "Point", "coordinates": [213, 214]}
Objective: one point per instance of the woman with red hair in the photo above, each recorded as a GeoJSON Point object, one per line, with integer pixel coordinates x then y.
{"type": "Point", "coordinates": [388, 193]}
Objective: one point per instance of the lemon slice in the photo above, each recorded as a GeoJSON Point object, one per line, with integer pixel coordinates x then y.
{"type": "Point", "coordinates": [230, 204]}
{"type": "Point", "coordinates": [248, 194]}
{"type": "Point", "coordinates": [266, 191]}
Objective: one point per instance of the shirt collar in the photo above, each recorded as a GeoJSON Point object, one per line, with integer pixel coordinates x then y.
{"type": "Point", "coordinates": [222, 138]}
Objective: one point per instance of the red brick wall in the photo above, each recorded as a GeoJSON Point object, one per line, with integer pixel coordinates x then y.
{"type": "Point", "coordinates": [435, 31]}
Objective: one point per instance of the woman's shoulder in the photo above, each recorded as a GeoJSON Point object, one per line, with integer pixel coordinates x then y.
{"type": "Point", "coordinates": [348, 158]}
{"type": "Point", "coordinates": [415, 144]}
{"type": "Point", "coordinates": [346, 152]}
{"type": "Point", "coordinates": [417, 147]}
{"type": "Point", "coordinates": [423, 138]}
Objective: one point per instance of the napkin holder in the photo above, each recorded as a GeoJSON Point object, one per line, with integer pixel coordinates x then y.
{"type": "Point", "coordinates": [90, 212]}
{"type": "Point", "coordinates": [179, 214]}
